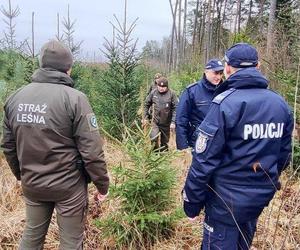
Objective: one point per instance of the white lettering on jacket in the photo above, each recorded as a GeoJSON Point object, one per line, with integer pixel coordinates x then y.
{"type": "Point", "coordinates": [28, 107]}
{"type": "Point", "coordinates": [263, 131]}
{"type": "Point", "coordinates": [31, 113]}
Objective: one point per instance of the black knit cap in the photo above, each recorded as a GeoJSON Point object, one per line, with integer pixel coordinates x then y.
{"type": "Point", "coordinates": [56, 55]}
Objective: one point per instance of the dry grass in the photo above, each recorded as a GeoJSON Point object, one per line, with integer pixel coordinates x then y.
{"type": "Point", "coordinates": [278, 227]}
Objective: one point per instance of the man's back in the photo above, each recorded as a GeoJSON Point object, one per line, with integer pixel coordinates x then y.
{"type": "Point", "coordinates": [43, 117]}
{"type": "Point", "coordinates": [255, 130]}
{"type": "Point", "coordinates": [254, 125]}
{"type": "Point", "coordinates": [50, 137]}
{"type": "Point", "coordinates": [242, 146]}
{"type": "Point", "coordinates": [247, 141]}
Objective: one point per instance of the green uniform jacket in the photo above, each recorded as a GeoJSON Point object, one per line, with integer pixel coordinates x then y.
{"type": "Point", "coordinates": [163, 105]}
{"type": "Point", "coordinates": [48, 127]}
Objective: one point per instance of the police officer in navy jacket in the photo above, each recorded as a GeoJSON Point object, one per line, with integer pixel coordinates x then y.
{"type": "Point", "coordinates": [242, 146]}
{"type": "Point", "coordinates": [194, 103]}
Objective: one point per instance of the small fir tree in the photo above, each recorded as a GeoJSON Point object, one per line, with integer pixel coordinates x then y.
{"type": "Point", "coordinates": [143, 194]}
{"type": "Point", "coordinates": [119, 92]}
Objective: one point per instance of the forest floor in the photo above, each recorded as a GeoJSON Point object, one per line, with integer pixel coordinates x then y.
{"type": "Point", "coordinates": [278, 226]}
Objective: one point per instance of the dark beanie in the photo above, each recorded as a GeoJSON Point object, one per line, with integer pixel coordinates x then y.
{"type": "Point", "coordinates": [162, 82]}
{"type": "Point", "coordinates": [56, 55]}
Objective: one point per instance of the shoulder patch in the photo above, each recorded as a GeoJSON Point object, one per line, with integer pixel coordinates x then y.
{"type": "Point", "coordinates": [219, 98]}
{"type": "Point", "coordinates": [201, 143]}
{"type": "Point", "coordinates": [191, 85]}
{"type": "Point", "coordinates": [92, 121]}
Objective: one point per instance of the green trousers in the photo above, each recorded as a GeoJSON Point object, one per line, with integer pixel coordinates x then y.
{"type": "Point", "coordinates": [162, 131]}
{"type": "Point", "coordinates": [71, 217]}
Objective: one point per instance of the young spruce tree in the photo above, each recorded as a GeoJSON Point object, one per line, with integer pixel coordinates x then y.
{"type": "Point", "coordinates": [142, 192]}
{"type": "Point", "coordinates": [120, 82]}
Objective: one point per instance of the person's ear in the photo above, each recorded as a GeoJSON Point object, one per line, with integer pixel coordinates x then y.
{"type": "Point", "coordinates": [69, 72]}
{"type": "Point", "coordinates": [258, 65]}
{"type": "Point", "coordinates": [227, 69]}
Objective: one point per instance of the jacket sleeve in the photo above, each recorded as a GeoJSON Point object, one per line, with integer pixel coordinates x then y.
{"type": "Point", "coordinates": [147, 105]}
{"type": "Point", "coordinates": [10, 148]}
{"type": "Point", "coordinates": [183, 112]}
{"type": "Point", "coordinates": [174, 106]}
{"type": "Point", "coordinates": [89, 143]}
{"type": "Point", "coordinates": [207, 155]}
{"type": "Point", "coordinates": [286, 145]}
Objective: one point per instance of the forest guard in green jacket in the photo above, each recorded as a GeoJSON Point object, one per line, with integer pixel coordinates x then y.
{"type": "Point", "coordinates": [48, 127]}
{"type": "Point", "coordinates": [162, 101]}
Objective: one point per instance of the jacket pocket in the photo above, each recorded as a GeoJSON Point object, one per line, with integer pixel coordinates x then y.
{"type": "Point", "coordinates": [213, 235]}
{"type": "Point", "coordinates": [165, 115]}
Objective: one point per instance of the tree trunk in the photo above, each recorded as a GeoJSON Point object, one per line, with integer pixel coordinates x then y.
{"type": "Point", "coordinates": [239, 4]}
{"type": "Point", "coordinates": [58, 37]}
{"type": "Point", "coordinates": [202, 29]}
{"type": "Point", "coordinates": [207, 35]}
{"type": "Point", "coordinates": [171, 59]}
{"type": "Point", "coordinates": [184, 29]}
{"type": "Point", "coordinates": [223, 19]}
{"type": "Point", "coordinates": [250, 12]}
{"type": "Point", "coordinates": [270, 36]}
{"type": "Point", "coordinates": [32, 36]}
{"type": "Point", "coordinates": [178, 56]}
{"type": "Point", "coordinates": [195, 25]}
{"type": "Point", "coordinates": [261, 15]}
{"type": "Point", "coordinates": [218, 27]}
{"type": "Point", "coordinates": [210, 43]}
{"type": "Point", "coordinates": [237, 20]}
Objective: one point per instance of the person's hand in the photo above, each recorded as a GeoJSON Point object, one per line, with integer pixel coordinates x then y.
{"type": "Point", "coordinates": [18, 188]}
{"type": "Point", "coordinates": [172, 126]}
{"type": "Point", "coordinates": [187, 152]}
{"type": "Point", "coordinates": [192, 219]}
{"type": "Point", "coordinates": [100, 197]}
{"type": "Point", "coordinates": [145, 122]}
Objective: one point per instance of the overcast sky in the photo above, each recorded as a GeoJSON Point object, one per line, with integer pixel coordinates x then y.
{"type": "Point", "coordinates": [92, 20]}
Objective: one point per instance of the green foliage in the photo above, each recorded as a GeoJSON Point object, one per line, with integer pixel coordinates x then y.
{"type": "Point", "coordinates": [152, 50]}
{"type": "Point", "coordinates": [144, 188]}
{"type": "Point", "coordinates": [286, 82]}
{"type": "Point", "coordinates": [15, 71]}
{"type": "Point", "coordinates": [121, 90]}
{"type": "Point", "coordinates": [88, 79]}
{"type": "Point", "coordinates": [179, 81]}
{"type": "Point", "coordinates": [120, 83]}
{"type": "Point", "coordinates": [296, 157]}
{"type": "Point", "coordinates": [242, 37]}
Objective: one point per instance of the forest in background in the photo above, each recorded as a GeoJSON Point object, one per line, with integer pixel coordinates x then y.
{"type": "Point", "coordinates": [116, 89]}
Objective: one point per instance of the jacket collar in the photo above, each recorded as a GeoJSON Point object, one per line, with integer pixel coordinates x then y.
{"type": "Point", "coordinates": [47, 75]}
{"type": "Point", "coordinates": [245, 78]}
{"type": "Point", "coordinates": [207, 84]}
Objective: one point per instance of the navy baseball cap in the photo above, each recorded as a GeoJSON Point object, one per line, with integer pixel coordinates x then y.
{"type": "Point", "coordinates": [215, 65]}
{"type": "Point", "coordinates": [241, 55]}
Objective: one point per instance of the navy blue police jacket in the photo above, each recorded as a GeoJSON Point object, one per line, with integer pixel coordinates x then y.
{"type": "Point", "coordinates": [242, 147]}
{"type": "Point", "coordinates": [192, 108]}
